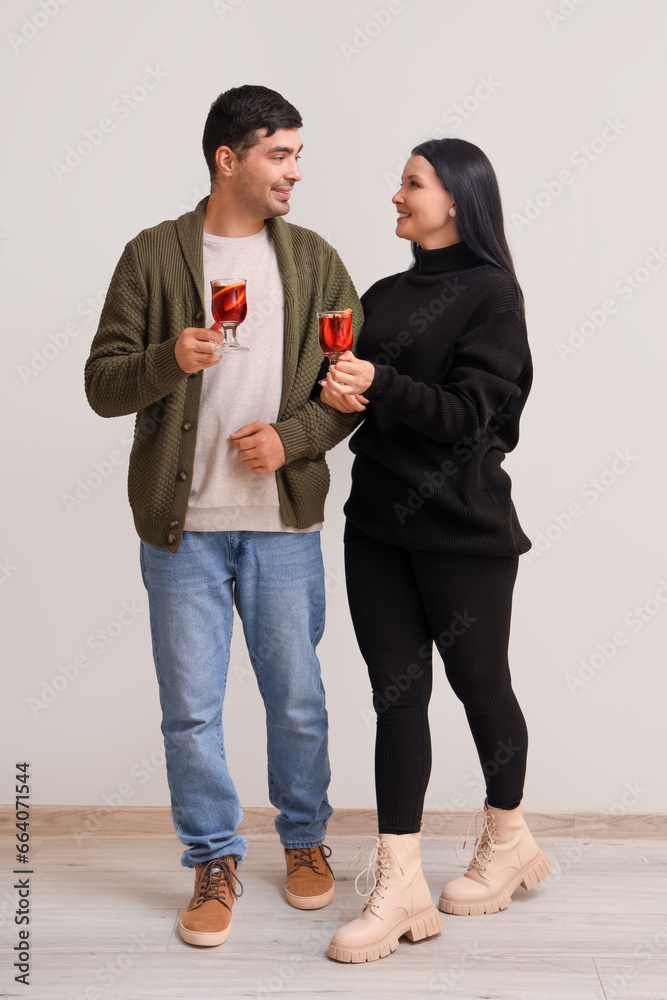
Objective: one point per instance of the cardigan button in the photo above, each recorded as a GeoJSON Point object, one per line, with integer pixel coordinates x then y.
{"type": "Point", "coordinates": [171, 539]}
{"type": "Point", "coordinates": [174, 524]}
{"type": "Point", "coordinates": [199, 316]}
{"type": "Point", "coordinates": [182, 475]}
{"type": "Point", "coordinates": [186, 426]}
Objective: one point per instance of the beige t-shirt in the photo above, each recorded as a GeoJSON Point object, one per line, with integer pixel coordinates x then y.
{"type": "Point", "coordinates": [244, 386]}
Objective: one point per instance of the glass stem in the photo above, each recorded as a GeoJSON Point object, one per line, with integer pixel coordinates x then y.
{"type": "Point", "coordinates": [230, 332]}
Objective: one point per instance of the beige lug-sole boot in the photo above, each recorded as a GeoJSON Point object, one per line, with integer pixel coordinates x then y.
{"type": "Point", "coordinates": [399, 904]}
{"type": "Point", "coordinates": [505, 856]}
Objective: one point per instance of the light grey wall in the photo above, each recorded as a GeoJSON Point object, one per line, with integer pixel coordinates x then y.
{"type": "Point", "coordinates": [545, 86]}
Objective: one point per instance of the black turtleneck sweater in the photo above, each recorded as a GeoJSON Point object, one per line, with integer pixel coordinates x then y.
{"type": "Point", "coordinates": [452, 374]}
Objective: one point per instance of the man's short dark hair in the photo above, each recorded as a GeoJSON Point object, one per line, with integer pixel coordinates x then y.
{"type": "Point", "coordinates": [238, 115]}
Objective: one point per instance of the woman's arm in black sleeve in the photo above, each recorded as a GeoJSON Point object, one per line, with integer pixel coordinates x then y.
{"type": "Point", "coordinates": [486, 367]}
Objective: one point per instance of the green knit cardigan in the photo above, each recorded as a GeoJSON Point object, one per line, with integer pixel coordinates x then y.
{"type": "Point", "coordinates": [156, 291]}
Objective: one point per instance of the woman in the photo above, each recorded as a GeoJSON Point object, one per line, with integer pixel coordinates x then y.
{"type": "Point", "coordinates": [432, 539]}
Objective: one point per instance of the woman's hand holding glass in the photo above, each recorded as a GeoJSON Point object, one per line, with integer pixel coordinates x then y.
{"type": "Point", "coordinates": [343, 402]}
{"type": "Point", "coordinates": [345, 384]}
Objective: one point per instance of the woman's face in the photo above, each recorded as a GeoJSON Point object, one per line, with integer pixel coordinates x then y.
{"type": "Point", "coordinates": [423, 207]}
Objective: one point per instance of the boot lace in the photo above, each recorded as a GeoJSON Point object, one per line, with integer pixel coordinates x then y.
{"type": "Point", "coordinates": [379, 856]}
{"type": "Point", "coordinates": [216, 878]}
{"type": "Point", "coordinates": [306, 857]}
{"type": "Point", "coordinates": [484, 841]}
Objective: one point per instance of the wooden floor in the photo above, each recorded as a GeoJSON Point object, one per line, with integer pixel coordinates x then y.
{"type": "Point", "coordinates": [105, 915]}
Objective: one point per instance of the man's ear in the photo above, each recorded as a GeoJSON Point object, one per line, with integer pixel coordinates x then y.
{"type": "Point", "coordinates": [225, 160]}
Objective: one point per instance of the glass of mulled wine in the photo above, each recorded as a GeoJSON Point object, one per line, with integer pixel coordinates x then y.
{"type": "Point", "coordinates": [229, 307]}
{"type": "Point", "coordinates": [334, 330]}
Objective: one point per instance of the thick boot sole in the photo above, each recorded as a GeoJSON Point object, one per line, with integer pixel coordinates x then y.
{"type": "Point", "coordinates": [421, 924]}
{"type": "Point", "coordinates": [531, 875]}
{"type": "Point", "coordinates": [205, 939]}
{"type": "Point", "coordinates": [310, 902]}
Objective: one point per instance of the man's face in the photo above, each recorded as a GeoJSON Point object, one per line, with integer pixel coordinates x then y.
{"type": "Point", "coordinates": [264, 179]}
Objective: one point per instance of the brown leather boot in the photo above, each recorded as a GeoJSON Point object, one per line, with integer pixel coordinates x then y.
{"type": "Point", "coordinates": [310, 882]}
{"type": "Point", "coordinates": [208, 918]}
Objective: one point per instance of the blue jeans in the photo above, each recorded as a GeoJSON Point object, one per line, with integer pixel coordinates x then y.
{"type": "Point", "coordinates": [276, 580]}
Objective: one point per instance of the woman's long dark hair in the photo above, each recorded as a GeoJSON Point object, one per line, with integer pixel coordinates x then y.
{"type": "Point", "coordinates": [466, 173]}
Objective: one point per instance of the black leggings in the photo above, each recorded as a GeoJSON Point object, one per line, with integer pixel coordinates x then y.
{"type": "Point", "coordinates": [402, 601]}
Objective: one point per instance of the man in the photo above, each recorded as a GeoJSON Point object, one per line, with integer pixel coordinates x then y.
{"type": "Point", "coordinates": [227, 484]}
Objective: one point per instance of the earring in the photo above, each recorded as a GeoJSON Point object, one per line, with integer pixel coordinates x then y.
{"type": "Point", "coordinates": [452, 211]}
